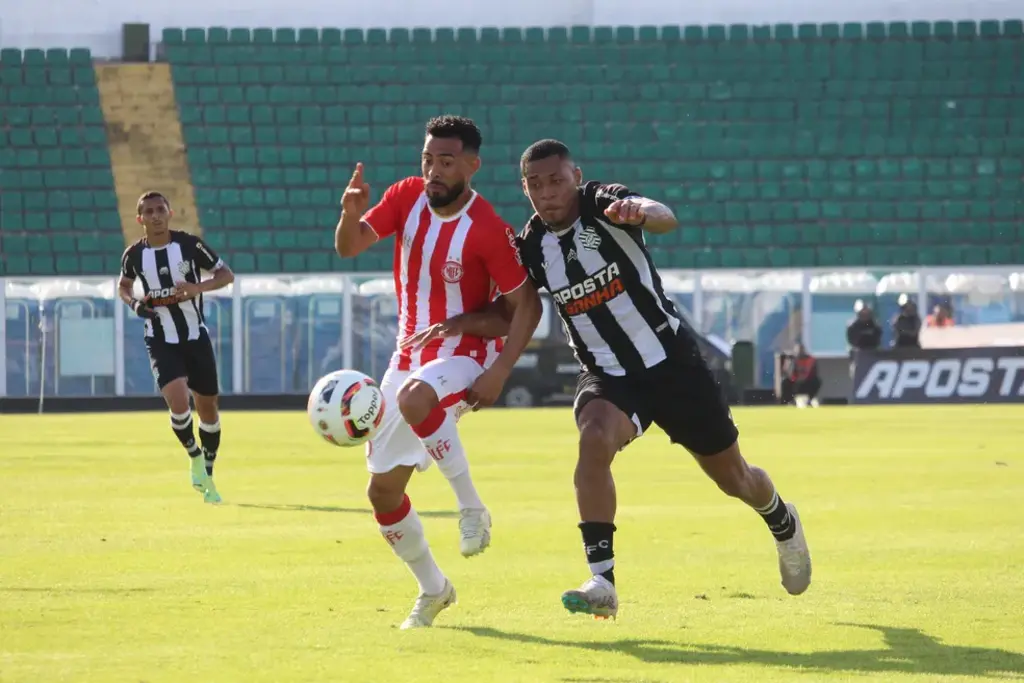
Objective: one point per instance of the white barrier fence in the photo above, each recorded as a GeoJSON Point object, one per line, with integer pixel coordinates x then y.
{"type": "Point", "coordinates": [278, 333]}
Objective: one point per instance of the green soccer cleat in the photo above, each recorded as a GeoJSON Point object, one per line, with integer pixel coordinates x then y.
{"type": "Point", "coordinates": [210, 494]}
{"type": "Point", "coordinates": [197, 469]}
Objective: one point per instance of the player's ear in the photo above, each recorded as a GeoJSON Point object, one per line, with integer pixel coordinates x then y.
{"type": "Point", "coordinates": [138, 219]}
{"type": "Point", "coordinates": [577, 173]}
{"type": "Point", "coordinates": [525, 191]}
{"type": "Point", "coordinates": [475, 162]}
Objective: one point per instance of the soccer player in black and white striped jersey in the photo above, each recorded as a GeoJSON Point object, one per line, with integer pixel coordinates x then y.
{"type": "Point", "coordinates": [640, 363]}
{"type": "Point", "coordinates": [169, 264]}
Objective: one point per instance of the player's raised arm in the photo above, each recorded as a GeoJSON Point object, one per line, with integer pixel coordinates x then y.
{"type": "Point", "coordinates": [623, 207]}
{"type": "Point", "coordinates": [352, 235]}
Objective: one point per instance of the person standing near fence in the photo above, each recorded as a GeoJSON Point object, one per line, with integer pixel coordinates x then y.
{"type": "Point", "coordinates": [168, 262]}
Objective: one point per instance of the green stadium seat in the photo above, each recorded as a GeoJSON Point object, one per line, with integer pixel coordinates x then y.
{"type": "Point", "coordinates": [270, 132]}
{"type": "Point", "coordinates": [53, 153]}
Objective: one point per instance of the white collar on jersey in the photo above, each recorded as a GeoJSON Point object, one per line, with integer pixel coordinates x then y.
{"type": "Point", "coordinates": [454, 216]}
{"type": "Point", "coordinates": [563, 233]}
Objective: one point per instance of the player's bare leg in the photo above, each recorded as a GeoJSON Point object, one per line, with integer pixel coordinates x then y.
{"type": "Point", "coordinates": [209, 439]}
{"type": "Point", "coordinates": [604, 430]}
{"type": "Point", "coordinates": [754, 487]}
{"type": "Point", "coordinates": [402, 529]}
{"type": "Point", "coordinates": [439, 434]}
{"type": "Point", "coordinates": [176, 395]}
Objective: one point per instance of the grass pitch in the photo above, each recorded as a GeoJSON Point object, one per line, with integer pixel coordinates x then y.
{"type": "Point", "coordinates": [112, 569]}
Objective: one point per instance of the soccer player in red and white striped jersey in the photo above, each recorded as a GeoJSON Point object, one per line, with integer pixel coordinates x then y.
{"type": "Point", "coordinates": [453, 255]}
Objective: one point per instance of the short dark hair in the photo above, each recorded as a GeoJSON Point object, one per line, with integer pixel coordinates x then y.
{"type": "Point", "coordinates": [542, 149]}
{"type": "Point", "coordinates": [152, 194]}
{"type": "Point", "coordinates": [450, 126]}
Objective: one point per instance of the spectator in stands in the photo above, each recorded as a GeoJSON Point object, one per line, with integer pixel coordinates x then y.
{"type": "Point", "coordinates": [864, 333]}
{"type": "Point", "coordinates": [941, 316]}
{"type": "Point", "coordinates": [801, 382]}
{"type": "Point", "coordinates": [906, 326]}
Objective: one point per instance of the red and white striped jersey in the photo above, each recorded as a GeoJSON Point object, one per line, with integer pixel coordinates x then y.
{"type": "Point", "coordinates": [444, 266]}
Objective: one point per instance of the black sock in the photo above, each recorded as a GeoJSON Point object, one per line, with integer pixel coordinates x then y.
{"type": "Point", "coordinates": [182, 426]}
{"type": "Point", "coordinates": [776, 516]}
{"type": "Point", "coordinates": [597, 544]}
{"type": "Point", "coordinates": [209, 436]}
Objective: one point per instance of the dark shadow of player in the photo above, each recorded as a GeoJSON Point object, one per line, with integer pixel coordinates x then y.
{"type": "Point", "coordinates": [440, 514]}
{"type": "Point", "coordinates": [908, 651]}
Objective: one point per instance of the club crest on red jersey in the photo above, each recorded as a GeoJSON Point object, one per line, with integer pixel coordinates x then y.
{"type": "Point", "coordinates": [452, 271]}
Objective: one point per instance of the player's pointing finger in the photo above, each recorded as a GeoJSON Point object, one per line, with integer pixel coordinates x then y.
{"type": "Point", "coordinates": [357, 175]}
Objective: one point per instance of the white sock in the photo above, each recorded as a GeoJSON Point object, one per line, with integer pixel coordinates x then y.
{"type": "Point", "coordinates": [403, 531]}
{"type": "Point", "coordinates": [445, 447]}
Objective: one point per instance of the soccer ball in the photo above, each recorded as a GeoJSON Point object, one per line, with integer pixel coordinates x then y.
{"type": "Point", "coordinates": [346, 408]}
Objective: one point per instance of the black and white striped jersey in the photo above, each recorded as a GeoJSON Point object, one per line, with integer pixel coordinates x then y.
{"type": "Point", "coordinates": [606, 289]}
{"type": "Point", "coordinates": [159, 268]}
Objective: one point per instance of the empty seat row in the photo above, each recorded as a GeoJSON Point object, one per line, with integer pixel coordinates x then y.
{"type": "Point", "coordinates": [600, 34]}
{"type": "Point", "coordinates": [800, 58]}
{"type": "Point", "coordinates": [58, 200]}
{"type": "Point", "coordinates": [14, 221]}
{"type": "Point", "coordinates": [55, 94]}
{"type": "Point", "coordinates": [25, 117]}
{"type": "Point", "coordinates": [54, 157]}
{"type": "Point", "coordinates": [56, 56]}
{"type": "Point", "coordinates": [99, 178]}
{"type": "Point", "coordinates": [42, 243]}
{"type": "Point", "coordinates": [60, 264]}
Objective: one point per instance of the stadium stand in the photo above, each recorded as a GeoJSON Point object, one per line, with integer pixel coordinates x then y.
{"type": "Point", "coordinates": [58, 211]}
{"type": "Point", "coordinates": [882, 144]}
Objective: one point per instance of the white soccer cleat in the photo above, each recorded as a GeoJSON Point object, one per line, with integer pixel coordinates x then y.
{"type": "Point", "coordinates": [596, 596]}
{"type": "Point", "coordinates": [795, 558]}
{"type": "Point", "coordinates": [474, 531]}
{"type": "Point", "coordinates": [427, 608]}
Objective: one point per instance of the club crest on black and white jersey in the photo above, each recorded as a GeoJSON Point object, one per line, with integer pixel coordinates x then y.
{"type": "Point", "coordinates": [158, 269]}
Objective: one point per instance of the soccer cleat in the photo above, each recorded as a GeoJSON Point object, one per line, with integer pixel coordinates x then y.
{"type": "Point", "coordinates": [596, 596]}
{"type": "Point", "coordinates": [197, 468]}
{"type": "Point", "coordinates": [475, 531]}
{"type": "Point", "coordinates": [427, 607]}
{"type": "Point", "coordinates": [210, 494]}
{"type": "Point", "coordinates": [795, 558]}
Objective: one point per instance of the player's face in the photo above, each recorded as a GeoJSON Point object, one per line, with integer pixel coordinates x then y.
{"type": "Point", "coordinates": [447, 169]}
{"type": "Point", "coordinates": [155, 216]}
{"type": "Point", "coordinates": [551, 186]}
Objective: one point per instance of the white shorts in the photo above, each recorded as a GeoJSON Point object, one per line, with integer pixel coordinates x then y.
{"type": "Point", "coordinates": [395, 444]}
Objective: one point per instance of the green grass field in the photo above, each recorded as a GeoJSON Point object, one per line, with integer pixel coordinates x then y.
{"type": "Point", "coordinates": [112, 569]}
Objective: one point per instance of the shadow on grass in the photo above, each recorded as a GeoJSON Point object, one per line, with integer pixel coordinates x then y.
{"type": "Point", "coordinates": [907, 650]}
{"type": "Point", "coordinates": [440, 514]}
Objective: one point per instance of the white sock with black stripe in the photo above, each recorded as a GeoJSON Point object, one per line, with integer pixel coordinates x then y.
{"type": "Point", "coordinates": [181, 423]}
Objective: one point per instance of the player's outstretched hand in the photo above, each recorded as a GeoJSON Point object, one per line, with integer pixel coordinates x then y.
{"type": "Point", "coordinates": [356, 199]}
{"type": "Point", "coordinates": [143, 309]}
{"type": "Point", "coordinates": [626, 212]}
{"type": "Point", "coordinates": [424, 337]}
{"type": "Point", "coordinates": [487, 388]}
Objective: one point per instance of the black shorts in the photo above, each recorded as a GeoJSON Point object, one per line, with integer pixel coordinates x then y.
{"type": "Point", "coordinates": [680, 395]}
{"type": "Point", "coordinates": [193, 360]}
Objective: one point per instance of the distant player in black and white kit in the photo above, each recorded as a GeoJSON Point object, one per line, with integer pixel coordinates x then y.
{"type": "Point", "coordinates": [640, 364]}
{"type": "Point", "coordinates": [168, 263]}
